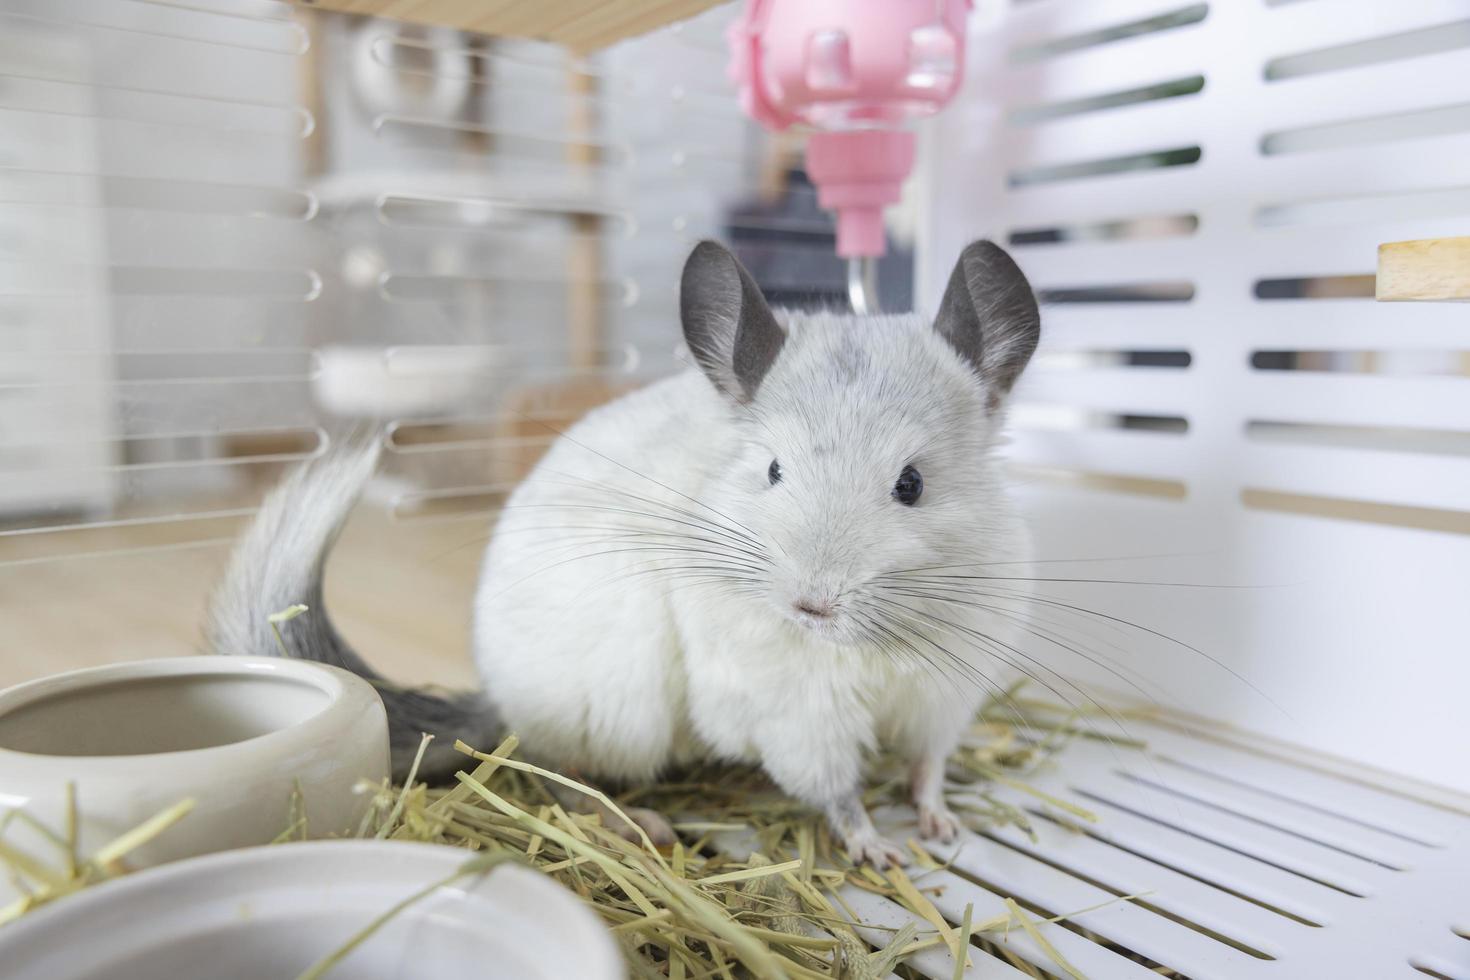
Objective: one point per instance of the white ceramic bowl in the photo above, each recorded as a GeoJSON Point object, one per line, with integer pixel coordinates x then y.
{"type": "Point", "coordinates": [235, 734]}
{"type": "Point", "coordinates": [275, 911]}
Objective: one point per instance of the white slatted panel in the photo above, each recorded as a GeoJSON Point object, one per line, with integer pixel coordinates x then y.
{"type": "Point", "coordinates": [1355, 610]}
{"type": "Point", "coordinates": [1212, 857]}
{"type": "Point", "coordinates": [1245, 867]}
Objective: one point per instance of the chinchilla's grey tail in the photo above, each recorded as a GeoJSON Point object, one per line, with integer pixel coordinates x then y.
{"type": "Point", "coordinates": [278, 563]}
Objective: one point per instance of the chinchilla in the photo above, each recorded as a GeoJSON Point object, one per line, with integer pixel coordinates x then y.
{"type": "Point", "coordinates": [758, 560]}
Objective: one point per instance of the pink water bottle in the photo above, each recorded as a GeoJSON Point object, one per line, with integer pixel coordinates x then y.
{"type": "Point", "coordinates": [858, 71]}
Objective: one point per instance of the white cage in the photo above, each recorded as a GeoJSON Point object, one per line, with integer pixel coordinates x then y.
{"type": "Point", "coordinates": [231, 230]}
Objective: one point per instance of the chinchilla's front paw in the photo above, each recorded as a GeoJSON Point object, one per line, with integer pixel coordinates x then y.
{"type": "Point", "coordinates": [938, 823]}
{"type": "Point", "coordinates": [654, 824]}
{"type": "Point", "coordinates": [869, 847]}
{"type": "Point", "coordinates": [660, 832]}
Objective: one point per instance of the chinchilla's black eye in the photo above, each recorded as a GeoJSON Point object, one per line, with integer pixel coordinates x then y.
{"type": "Point", "coordinates": [774, 473]}
{"type": "Point", "coordinates": [909, 487]}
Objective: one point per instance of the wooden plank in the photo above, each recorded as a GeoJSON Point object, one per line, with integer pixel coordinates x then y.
{"type": "Point", "coordinates": [614, 24]}
{"type": "Point", "coordinates": [584, 252]}
{"type": "Point", "coordinates": [584, 25]}
{"type": "Point", "coordinates": [313, 95]}
{"type": "Point", "coordinates": [1432, 269]}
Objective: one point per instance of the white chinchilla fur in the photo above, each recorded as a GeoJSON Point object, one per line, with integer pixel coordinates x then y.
{"type": "Point", "coordinates": [722, 565]}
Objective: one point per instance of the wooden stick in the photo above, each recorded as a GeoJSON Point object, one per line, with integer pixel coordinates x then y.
{"type": "Point", "coordinates": [1428, 270]}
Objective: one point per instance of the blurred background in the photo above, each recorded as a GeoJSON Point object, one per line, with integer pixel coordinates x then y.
{"type": "Point", "coordinates": [233, 232]}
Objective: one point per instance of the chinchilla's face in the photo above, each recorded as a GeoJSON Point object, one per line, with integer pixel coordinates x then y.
{"type": "Point", "coordinates": [864, 455]}
{"type": "Point", "coordinates": [864, 472]}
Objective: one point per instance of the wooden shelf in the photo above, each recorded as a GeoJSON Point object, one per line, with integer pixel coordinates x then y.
{"type": "Point", "coordinates": [1428, 270]}
{"type": "Point", "coordinates": [582, 25]}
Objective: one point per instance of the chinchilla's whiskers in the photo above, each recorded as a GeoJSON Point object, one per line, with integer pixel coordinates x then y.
{"type": "Point", "coordinates": [681, 577]}
{"type": "Point", "coordinates": [1027, 621]}
{"type": "Point", "coordinates": [966, 669]}
{"type": "Point", "coordinates": [726, 560]}
{"type": "Point", "coordinates": [734, 539]}
{"type": "Point", "coordinates": [957, 586]}
{"type": "Point", "coordinates": [979, 635]}
{"type": "Point", "coordinates": [883, 621]}
{"type": "Point", "coordinates": [1050, 630]}
{"type": "Point", "coordinates": [690, 548]}
{"type": "Point", "coordinates": [729, 556]}
{"type": "Point", "coordinates": [992, 645]}
{"type": "Point", "coordinates": [873, 626]}
{"type": "Point", "coordinates": [1110, 618]}
{"type": "Point", "coordinates": [570, 538]}
{"type": "Point", "coordinates": [1028, 613]}
{"type": "Point", "coordinates": [654, 536]}
{"type": "Point", "coordinates": [868, 632]}
{"type": "Point", "coordinates": [703, 585]}
{"type": "Point", "coordinates": [623, 530]}
{"type": "Point", "coordinates": [724, 524]}
{"type": "Point", "coordinates": [638, 538]}
{"type": "Point", "coordinates": [723, 527]}
{"type": "Point", "coordinates": [652, 523]}
{"type": "Point", "coordinates": [641, 514]}
{"type": "Point", "coordinates": [997, 648]}
{"type": "Point", "coordinates": [662, 526]}
{"type": "Point", "coordinates": [940, 573]}
{"type": "Point", "coordinates": [659, 484]}
{"type": "Point", "coordinates": [666, 561]}
{"type": "Point", "coordinates": [1025, 597]}
{"type": "Point", "coordinates": [733, 558]}
{"type": "Point", "coordinates": [956, 664]}
{"type": "Point", "coordinates": [1091, 559]}
{"type": "Point", "coordinates": [952, 666]}
{"type": "Point", "coordinates": [564, 437]}
{"type": "Point", "coordinates": [623, 546]}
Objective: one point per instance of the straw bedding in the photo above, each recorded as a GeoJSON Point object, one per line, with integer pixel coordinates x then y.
{"type": "Point", "coordinates": [753, 887]}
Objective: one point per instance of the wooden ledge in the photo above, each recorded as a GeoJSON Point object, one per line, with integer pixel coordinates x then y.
{"type": "Point", "coordinates": [582, 25]}
{"type": "Point", "coordinates": [1428, 270]}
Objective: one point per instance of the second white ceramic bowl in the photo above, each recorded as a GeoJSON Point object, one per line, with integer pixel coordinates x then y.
{"type": "Point", "coordinates": [275, 911]}
{"type": "Point", "coordinates": [236, 734]}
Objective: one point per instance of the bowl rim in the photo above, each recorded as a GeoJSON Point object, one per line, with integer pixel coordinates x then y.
{"type": "Point", "coordinates": [346, 695]}
{"type": "Point", "coordinates": [433, 861]}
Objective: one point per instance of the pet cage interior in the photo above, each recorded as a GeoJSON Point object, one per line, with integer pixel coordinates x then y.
{"type": "Point", "coordinates": [237, 234]}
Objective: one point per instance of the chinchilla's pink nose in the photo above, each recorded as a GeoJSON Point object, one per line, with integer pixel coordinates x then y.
{"type": "Point", "coordinates": [815, 607]}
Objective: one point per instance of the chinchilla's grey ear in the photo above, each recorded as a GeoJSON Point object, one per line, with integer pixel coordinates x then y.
{"type": "Point", "coordinates": [989, 316]}
{"type": "Point", "coordinates": [727, 324]}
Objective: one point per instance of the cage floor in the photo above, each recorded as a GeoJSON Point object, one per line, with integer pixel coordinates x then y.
{"type": "Point", "coordinates": [1245, 863]}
